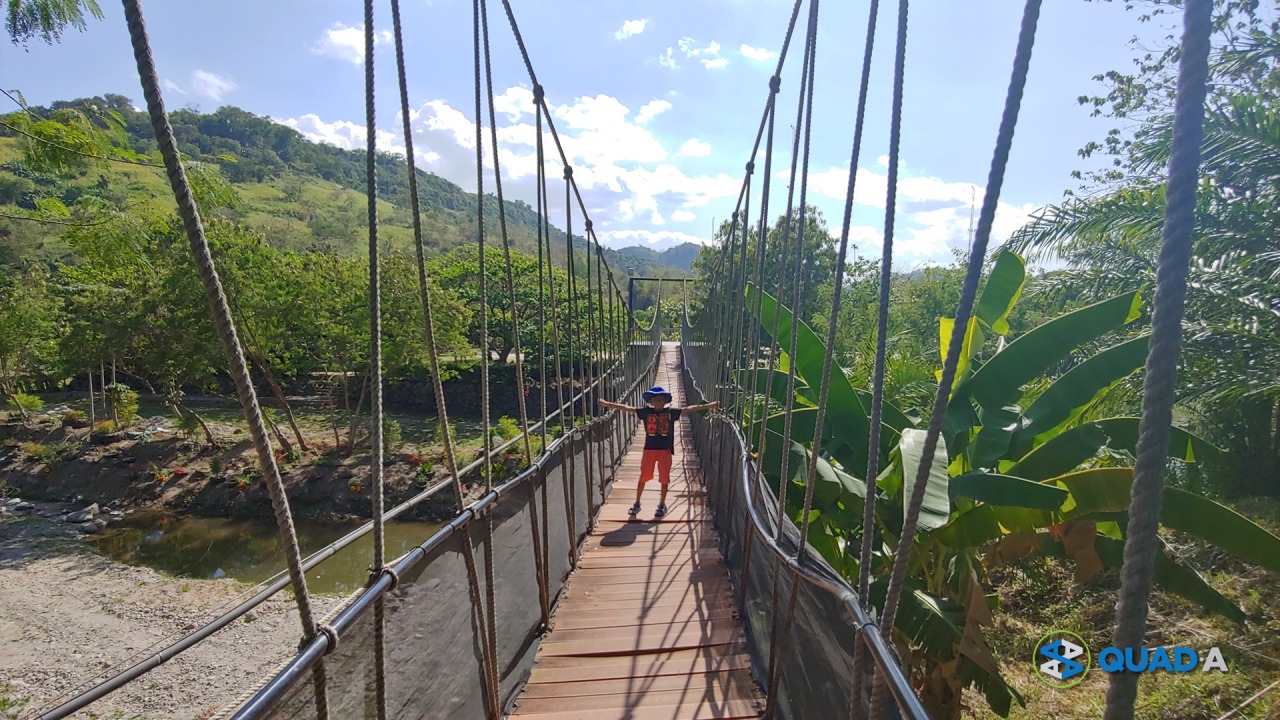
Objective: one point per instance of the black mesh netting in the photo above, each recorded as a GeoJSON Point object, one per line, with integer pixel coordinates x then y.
{"type": "Point", "coordinates": [433, 657]}
{"type": "Point", "coordinates": [816, 660]}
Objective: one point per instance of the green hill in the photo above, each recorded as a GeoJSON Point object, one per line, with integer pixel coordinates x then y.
{"type": "Point", "coordinates": [299, 194]}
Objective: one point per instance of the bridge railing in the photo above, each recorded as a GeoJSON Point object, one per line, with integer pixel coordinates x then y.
{"type": "Point", "coordinates": [815, 661]}
{"type": "Point", "coordinates": [434, 658]}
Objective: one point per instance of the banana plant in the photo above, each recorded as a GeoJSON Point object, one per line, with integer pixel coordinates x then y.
{"type": "Point", "coordinates": [1021, 469]}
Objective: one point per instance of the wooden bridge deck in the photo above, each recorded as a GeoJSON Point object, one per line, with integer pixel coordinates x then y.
{"type": "Point", "coordinates": [646, 629]}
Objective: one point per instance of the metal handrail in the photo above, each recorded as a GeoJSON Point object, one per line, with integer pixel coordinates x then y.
{"type": "Point", "coordinates": [281, 579]}
{"type": "Point", "coordinates": [867, 628]}
{"type": "Point", "coordinates": [274, 691]}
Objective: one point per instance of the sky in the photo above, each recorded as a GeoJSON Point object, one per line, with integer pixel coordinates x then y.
{"type": "Point", "coordinates": [657, 103]}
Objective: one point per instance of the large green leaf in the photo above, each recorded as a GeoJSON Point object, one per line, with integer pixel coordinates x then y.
{"type": "Point", "coordinates": [1079, 387]}
{"type": "Point", "coordinates": [802, 422]}
{"type": "Point", "coordinates": [1007, 490]}
{"type": "Point", "coordinates": [993, 439]}
{"type": "Point", "coordinates": [1079, 444]}
{"type": "Point", "coordinates": [832, 487]}
{"type": "Point", "coordinates": [1097, 490]}
{"type": "Point", "coordinates": [844, 411]}
{"type": "Point", "coordinates": [890, 415]}
{"type": "Point", "coordinates": [1176, 578]}
{"type": "Point", "coordinates": [1221, 526]}
{"type": "Point", "coordinates": [973, 340]}
{"type": "Point", "coordinates": [936, 507]}
{"type": "Point", "coordinates": [1004, 286]}
{"type": "Point", "coordinates": [936, 625]}
{"type": "Point", "coordinates": [756, 382]}
{"type": "Point", "coordinates": [999, 381]}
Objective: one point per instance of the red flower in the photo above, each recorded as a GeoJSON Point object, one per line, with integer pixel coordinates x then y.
{"type": "Point", "coordinates": [179, 471]}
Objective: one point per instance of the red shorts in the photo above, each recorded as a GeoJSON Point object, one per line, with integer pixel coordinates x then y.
{"type": "Point", "coordinates": [660, 458]}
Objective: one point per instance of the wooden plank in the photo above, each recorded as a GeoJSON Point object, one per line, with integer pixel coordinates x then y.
{"type": "Point", "coordinates": [647, 627]}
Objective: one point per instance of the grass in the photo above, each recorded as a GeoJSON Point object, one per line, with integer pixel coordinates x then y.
{"type": "Point", "coordinates": [1040, 594]}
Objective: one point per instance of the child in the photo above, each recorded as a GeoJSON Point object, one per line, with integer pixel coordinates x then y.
{"type": "Point", "coordinates": [659, 442]}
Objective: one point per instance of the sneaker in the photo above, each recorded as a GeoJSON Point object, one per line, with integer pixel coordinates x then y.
{"type": "Point", "coordinates": [635, 509]}
{"type": "Point", "coordinates": [662, 510]}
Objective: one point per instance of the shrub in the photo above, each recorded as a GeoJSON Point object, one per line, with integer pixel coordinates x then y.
{"type": "Point", "coordinates": [105, 426]}
{"type": "Point", "coordinates": [425, 472]}
{"type": "Point", "coordinates": [453, 435]}
{"type": "Point", "coordinates": [73, 415]}
{"type": "Point", "coordinates": [391, 438]}
{"type": "Point", "coordinates": [125, 401]}
{"type": "Point", "coordinates": [215, 466]}
{"type": "Point", "coordinates": [23, 402]}
{"type": "Point", "coordinates": [294, 455]}
{"type": "Point", "coordinates": [188, 424]}
{"type": "Point", "coordinates": [508, 428]}
{"type": "Point", "coordinates": [34, 450]}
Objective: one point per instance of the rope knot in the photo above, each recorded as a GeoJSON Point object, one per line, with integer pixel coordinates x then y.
{"type": "Point", "coordinates": [538, 94]}
{"type": "Point", "coordinates": [775, 84]}
{"type": "Point", "coordinates": [588, 224]}
{"type": "Point", "coordinates": [568, 172]}
{"type": "Point", "coordinates": [328, 631]}
{"type": "Point", "coordinates": [390, 572]}
{"type": "Point", "coordinates": [751, 167]}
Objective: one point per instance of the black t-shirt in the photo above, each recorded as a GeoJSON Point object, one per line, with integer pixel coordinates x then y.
{"type": "Point", "coordinates": [659, 427]}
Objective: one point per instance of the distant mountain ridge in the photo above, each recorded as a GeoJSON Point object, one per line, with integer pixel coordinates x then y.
{"type": "Point", "coordinates": [300, 194]}
{"type": "Point", "coordinates": [679, 257]}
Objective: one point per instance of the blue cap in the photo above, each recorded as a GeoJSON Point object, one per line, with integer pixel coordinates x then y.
{"type": "Point", "coordinates": [656, 391]}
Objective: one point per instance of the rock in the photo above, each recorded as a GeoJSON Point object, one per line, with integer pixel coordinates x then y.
{"type": "Point", "coordinates": [108, 438]}
{"type": "Point", "coordinates": [22, 508]}
{"type": "Point", "coordinates": [251, 616]}
{"type": "Point", "coordinates": [6, 502]}
{"type": "Point", "coordinates": [93, 526]}
{"type": "Point", "coordinates": [83, 515]}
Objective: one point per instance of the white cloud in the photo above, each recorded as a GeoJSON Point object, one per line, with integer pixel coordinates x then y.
{"type": "Point", "coordinates": [631, 28]}
{"type": "Point", "coordinates": [694, 148]}
{"type": "Point", "coordinates": [173, 87]}
{"type": "Point", "coordinates": [683, 216]}
{"type": "Point", "coordinates": [933, 215]}
{"type": "Point", "coordinates": [668, 60]}
{"type": "Point", "coordinates": [347, 135]}
{"type": "Point", "coordinates": [516, 102]}
{"type": "Point", "coordinates": [709, 56]}
{"type": "Point", "coordinates": [755, 53]}
{"type": "Point", "coordinates": [652, 109]}
{"type": "Point", "coordinates": [346, 42]}
{"type": "Point", "coordinates": [214, 87]}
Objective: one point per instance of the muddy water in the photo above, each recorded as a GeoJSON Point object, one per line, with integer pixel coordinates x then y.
{"type": "Point", "coordinates": [248, 549]}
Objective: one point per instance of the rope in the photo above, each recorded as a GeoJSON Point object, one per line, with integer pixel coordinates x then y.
{"type": "Point", "coordinates": [490, 661]}
{"type": "Point", "coordinates": [805, 89]}
{"type": "Point", "coordinates": [762, 235]}
{"type": "Point", "coordinates": [1004, 140]}
{"type": "Point", "coordinates": [221, 315]}
{"type": "Point", "coordinates": [375, 367]}
{"type": "Point", "coordinates": [1158, 392]}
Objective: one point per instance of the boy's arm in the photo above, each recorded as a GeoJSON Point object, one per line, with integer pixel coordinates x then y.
{"type": "Point", "coordinates": [700, 408]}
{"type": "Point", "coordinates": [615, 406]}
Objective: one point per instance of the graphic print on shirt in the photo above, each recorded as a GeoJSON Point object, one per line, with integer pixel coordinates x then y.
{"type": "Point", "coordinates": [659, 425]}
{"type": "Point", "coordinates": [658, 428]}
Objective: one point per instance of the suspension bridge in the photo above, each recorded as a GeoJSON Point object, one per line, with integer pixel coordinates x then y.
{"type": "Point", "coordinates": [544, 598]}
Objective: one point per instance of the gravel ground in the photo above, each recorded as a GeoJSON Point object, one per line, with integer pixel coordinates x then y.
{"type": "Point", "coordinates": [69, 617]}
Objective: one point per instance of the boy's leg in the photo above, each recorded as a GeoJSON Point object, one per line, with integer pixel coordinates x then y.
{"type": "Point", "coordinates": [664, 474]}
{"type": "Point", "coordinates": [648, 459]}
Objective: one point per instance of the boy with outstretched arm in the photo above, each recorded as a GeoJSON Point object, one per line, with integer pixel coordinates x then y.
{"type": "Point", "coordinates": [659, 440]}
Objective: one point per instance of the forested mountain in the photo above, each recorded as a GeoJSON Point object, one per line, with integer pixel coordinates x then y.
{"type": "Point", "coordinates": [299, 194]}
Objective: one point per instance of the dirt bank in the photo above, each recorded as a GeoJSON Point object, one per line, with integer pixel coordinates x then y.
{"type": "Point", "coordinates": [69, 616]}
{"type": "Point", "coordinates": [166, 472]}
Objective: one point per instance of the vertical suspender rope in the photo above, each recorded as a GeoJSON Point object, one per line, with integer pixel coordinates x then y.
{"type": "Point", "coordinates": [739, 296]}
{"type": "Point", "coordinates": [784, 478]}
{"type": "Point", "coordinates": [442, 411]}
{"type": "Point", "coordinates": [589, 367]}
{"type": "Point", "coordinates": [487, 614]}
{"type": "Point", "coordinates": [964, 309]}
{"type": "Point", "coordinates": [535, 530]}
{"type": "Point", "coordinates": [544, 596]}
{"type": "Point", "coordinates": [189, 212]}
{"type": "Point", "coordinates": [1162, 357]}
{"type": "Point", "coordinates": [806, 106]}
{"type": "Point", "coordinates": [375, 371]}
{"type": "Point", "coordinates": [762, 232]}
{"type": "Point", "coordinates": [570, 339]}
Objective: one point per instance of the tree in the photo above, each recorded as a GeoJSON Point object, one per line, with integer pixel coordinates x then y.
{"type": "Point", "coordinates": [1110, 237]}
{"type": "Point", "coordinates": [47, 19]}
{"type": "Point", "coordinates": [30, 322]}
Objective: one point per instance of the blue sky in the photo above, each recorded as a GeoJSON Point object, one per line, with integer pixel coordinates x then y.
{"type": "Point", "coordinates": [658, 102]}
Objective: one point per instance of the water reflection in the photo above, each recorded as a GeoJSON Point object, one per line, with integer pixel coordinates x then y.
{"type": "Point", "coordinates": [248, 549]}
